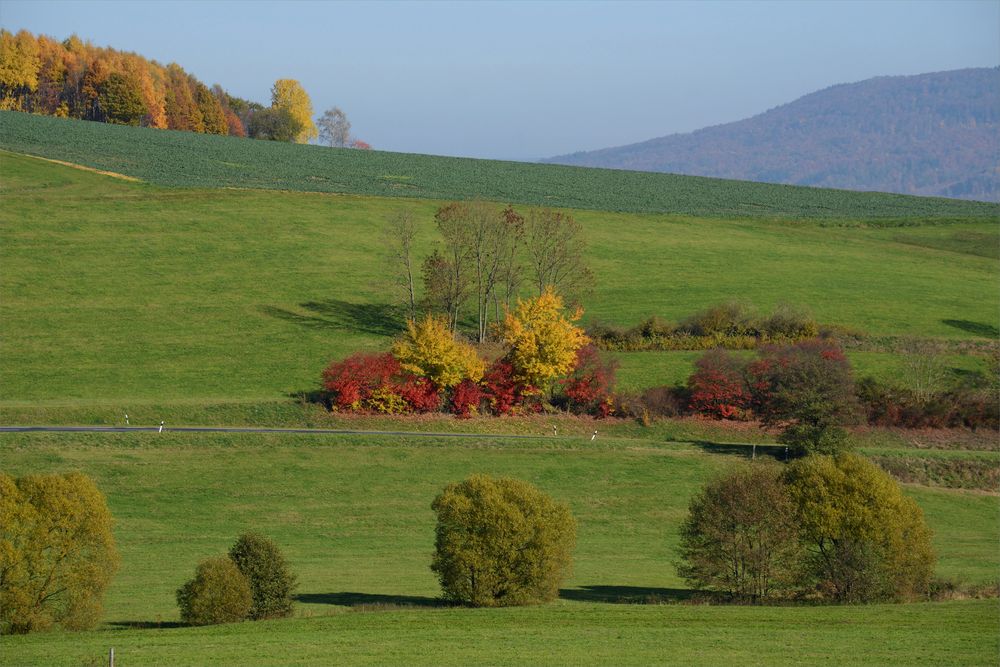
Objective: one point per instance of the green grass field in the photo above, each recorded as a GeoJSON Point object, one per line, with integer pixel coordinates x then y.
{"type": "Point", "coordinates": [122, 294]}
{"type": "Point", "coordinates": [353, 517]}
{"type": "Point", "coordinates": [217, 289]}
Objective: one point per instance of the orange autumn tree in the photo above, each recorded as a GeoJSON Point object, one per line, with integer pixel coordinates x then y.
{"type": "Point", "coordinates": [542, 340]}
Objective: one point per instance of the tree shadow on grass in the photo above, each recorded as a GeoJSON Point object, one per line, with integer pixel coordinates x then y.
{"type": "Point", "coordinates": [626, 594]}
{"type": "Point", "coordinates": [975, 328]}
{"type": "Point", "coordinates": [347, 599]}
{"type": "Point", "coordinates": [380, 319]}
{"type": "Point", "coordinates": [777, 452]}
{"type": "Point", "coordinates": [148, 625]}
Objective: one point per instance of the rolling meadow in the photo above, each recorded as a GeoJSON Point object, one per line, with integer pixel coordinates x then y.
{"type": "Point", "coordinates": [214, 287]}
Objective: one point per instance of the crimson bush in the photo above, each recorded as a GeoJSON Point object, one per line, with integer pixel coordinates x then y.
{"type": "Point", "coordinates": [718, 387]}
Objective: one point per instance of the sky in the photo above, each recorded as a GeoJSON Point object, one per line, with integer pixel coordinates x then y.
{"type": "Point", "coordinates": [525, 80]}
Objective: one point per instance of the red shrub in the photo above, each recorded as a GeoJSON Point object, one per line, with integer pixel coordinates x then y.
{"type": "Point", "coordinates": [589, 387]}
{"type": "Point", "coordinates": [503, 393]}
{"type": "Point", "coordinates": [466, 398]}
{"type": "Point", "coordinates": [420, 393]}
{"type": "Point", "coordinates": [352, 380]}
{"type": "Point", "coordinates": [718, 387]}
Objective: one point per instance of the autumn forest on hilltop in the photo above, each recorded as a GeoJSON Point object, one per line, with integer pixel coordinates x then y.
{"type": "Point", "coordinates": [75, 79]}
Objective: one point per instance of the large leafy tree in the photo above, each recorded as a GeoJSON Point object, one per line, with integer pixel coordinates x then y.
{"type": "Point", "coordinates": [289, 95]}
{"type": "Point", "coordinates": [740, 536]}
{"type": "Point", "coordinates": [57, 553]}
{"type": "Point", "coordinates": [271, 582]}
{"type": "Point", "coordinates": [121, 100]}
{"type": "Point", "coordinates": [19, 64]}
{"type": "Point", "coordinates": [808, 390]}
{"type": "Point", "coordinates": [865, 540]}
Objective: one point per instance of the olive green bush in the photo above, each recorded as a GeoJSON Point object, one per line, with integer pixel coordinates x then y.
{"type": "Point", "coordinates": [865, 541]}
{"type": "Point", "coordinates": [219, 593]}
{"type": "Point", "coordinates": [57, 552]}
{"type": "Point", "coordinates": [501, 542]}
{"type": "Point", "coordinates": [271, 584]}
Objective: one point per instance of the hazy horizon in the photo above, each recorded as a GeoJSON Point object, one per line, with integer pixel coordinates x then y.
{"type": "Point", "coordinates": [530, 80]}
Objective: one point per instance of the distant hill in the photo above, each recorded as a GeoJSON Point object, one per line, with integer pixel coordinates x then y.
{"type": "Point", "coordinates": [930, 134]}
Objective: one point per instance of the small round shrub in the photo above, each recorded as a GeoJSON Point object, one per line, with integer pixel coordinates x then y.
{"type": "Point", "coordinates": [501, 542]}
{"type": "Point", "coordinates": [271, 584]}
{"type": "Point", "coordinates": [219, 593]}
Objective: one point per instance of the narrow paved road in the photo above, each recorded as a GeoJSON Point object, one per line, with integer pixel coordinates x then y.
{"type": "Point", "coordinates": [236, 429]}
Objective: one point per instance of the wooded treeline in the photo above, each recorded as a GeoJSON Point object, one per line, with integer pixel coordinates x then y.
{"type": "Point", "coordinates": [75, 79]}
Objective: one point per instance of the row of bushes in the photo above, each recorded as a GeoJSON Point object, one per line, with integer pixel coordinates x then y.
{"type": "Point", "coordinates": [886, 405]}
{"type": "Point", "coordinates": [378, 383]}
{"type": "Point", "coordinates": [822, 528]}
{"type": "Point", "coordinates": [731, 325]}
{"type": "Point", "coordinates": [726, 386]}
{"type": "Point", "coordinates": [545, 359]}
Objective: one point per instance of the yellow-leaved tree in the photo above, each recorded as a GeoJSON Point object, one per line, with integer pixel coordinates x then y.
{"type": "Point", "coordinates": [57, 553]}
{"type": "Point", "coordinates": [289, 95]}
{"type": "Point", "coordinates": [429, 349]}
{"type": "Point", "coordinates": [542, 340]}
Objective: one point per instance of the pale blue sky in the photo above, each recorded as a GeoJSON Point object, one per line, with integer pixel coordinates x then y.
{"type": "Point", "coordinates": [522, 80]}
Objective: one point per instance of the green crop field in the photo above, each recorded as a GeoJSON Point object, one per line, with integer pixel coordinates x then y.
{"type": "Point", "coordinates": [196, 160]}
{"type": "Point", "coordinates": [353, 517]}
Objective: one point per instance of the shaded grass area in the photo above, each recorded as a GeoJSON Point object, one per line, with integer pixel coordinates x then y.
{"type": "Point", "coordinates": [952, 633]}
{"type": "Point", "coordinates": [130, 293]}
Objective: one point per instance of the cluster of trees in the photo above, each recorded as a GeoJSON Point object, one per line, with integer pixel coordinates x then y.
{"type": "Point", "coordinates": [57, 553]}
{"type": "Point", "coordinates": [252, 582]}
{"type": "Point", "coordinates": [75, 79]}
{"type": "Point", "coordinates": [824, 528]}
{"type": "Point", "coordinates": [486, 256]}
{"type": "Point", "coordinates": [545, 357]}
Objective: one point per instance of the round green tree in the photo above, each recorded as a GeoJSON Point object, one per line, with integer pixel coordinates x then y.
{"type": "Point", "coordinates": [219, 593]}
{"type": "Point", "coordinates": [865, 540]}
{"type": "Point", "coordinates": [271, 584]}
{"type": "Point", "coordinates": [501, 542]}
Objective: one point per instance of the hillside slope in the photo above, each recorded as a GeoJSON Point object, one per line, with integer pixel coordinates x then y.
{"type": "Point", "coordinates": [120, 292]}
{"type": "Point", "coordinates": [186, 159]}
{"type": "Point", "coordinates": [931, 134]}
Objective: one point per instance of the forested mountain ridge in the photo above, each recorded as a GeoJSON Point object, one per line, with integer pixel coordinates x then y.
{"type": "Point", "coordinates": [929, 134]}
